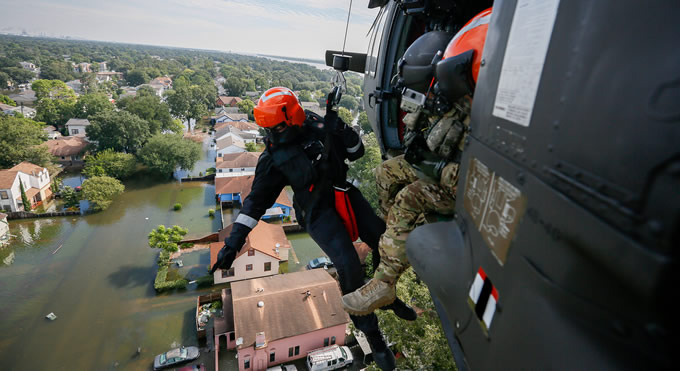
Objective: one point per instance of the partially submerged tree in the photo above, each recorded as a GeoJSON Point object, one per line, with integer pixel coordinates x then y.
{"type": "Point", "coordinates": [166, 239]}
{"type": "Point", "coordinates": [119, 131]}
{"type": "Point", "coordinates": [166, 152]}
{"type": "Point", "coordinates": [101, 190]}
{"type": "Point", "coordinates": [110, 163]}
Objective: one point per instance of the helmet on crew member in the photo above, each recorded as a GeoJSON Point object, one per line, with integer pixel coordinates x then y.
{"type": "Point", "coordinates": [416, 67]}
{"type": "Point", "coordinates": [279, 105]}
{"type": "Point", "coordinates": [457, 72]}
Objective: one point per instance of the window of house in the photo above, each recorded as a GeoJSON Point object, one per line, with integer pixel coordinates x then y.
{"type": "Point", "coordinates": [63, 158]}
{"type": "Point", "coordinates": [231, 170]}
{"type": "Point", "coordinates": [325, 342]}
{"type": "Point", "coordinates": [249, 267]}
{"type": "Point", "coordinates": [272, 356]}
{"type": "Point", "coordinates": [7, 207]}
{"type": "Point", "coordinates": [228, 272]}
{"type": "Point", "coordinates": [74, 131]}
{"type": "Point", "coordinates": [297, 349]}
{"type": "Point", "coordinates": [231, 336]}
{"type": "Point", "coordinates": [220, 170]}
{"type": "Point", "coordinates": [290, 352]}
{"type": "Point", "coordinates": [246, 363]}
{"type": "Point", "coordinates": [243, 169]}
{"type": "Point", "coordinates": [251, 252]}
{"type": "Point", "coordinates": [267, 266]}
{"type": "Point", "coordinates": [4, 195]}
{"type": "Point", "coordinates": [332, 340]}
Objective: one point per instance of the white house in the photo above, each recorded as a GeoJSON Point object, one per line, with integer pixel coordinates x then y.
{"type": "Point", "coordinates": [52, 132]}
{"type": "Point", "coordinates": [36, 182]}
{"type": "Point", "coordinates": [230, 144]}
{"type": "Point", "coordinates": [237, 164]}
{"type": "Point", "coordinates": [266, 246]}
{"type": "Point", "coordinates": [228, 131]}
{"type": "Point", "coordinates": [76, 127]}
{"type": "Point", "coordinates": [4, 228]}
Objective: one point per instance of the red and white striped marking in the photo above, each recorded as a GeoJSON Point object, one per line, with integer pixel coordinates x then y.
{"type": "Point", "coordinates": [483, 298]}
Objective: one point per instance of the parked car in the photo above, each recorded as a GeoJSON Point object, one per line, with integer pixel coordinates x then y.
{"type": "Point", "coordinates": [329, 358]}
{"type": "Point", "coordinates": [283, 368]}
{"type": "Point", "coordinates": [175, 356]}
{"type": "Point", "coordinates": [322, 262]}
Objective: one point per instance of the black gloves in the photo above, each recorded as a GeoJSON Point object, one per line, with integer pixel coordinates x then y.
{"type": "Point", "coordinates": [224, 259]}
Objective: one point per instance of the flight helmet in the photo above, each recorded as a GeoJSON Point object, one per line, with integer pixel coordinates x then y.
{"type": "Point", "coordinates": [416, 67]}
{"type": "Point", "coordinates": [278, 105]}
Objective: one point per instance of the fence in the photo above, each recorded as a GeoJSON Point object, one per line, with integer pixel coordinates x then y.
{"type": "Point", "coordinates": [29, 215]}
{"type": "Point", "coordinates": [198, 178]}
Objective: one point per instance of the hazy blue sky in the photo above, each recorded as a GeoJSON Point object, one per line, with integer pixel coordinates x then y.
{"type": "Point", "coordinates": [304, 28]}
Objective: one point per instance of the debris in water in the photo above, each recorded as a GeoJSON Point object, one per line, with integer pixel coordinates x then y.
{"type": "Point", "coordinates": [51, 316]}
{"type": "Point", "coordinates": [147, 218]}
{"type": "Point", "coordinates": [179, 263]}
{"type": "Point", "coordinates": [55, 251]}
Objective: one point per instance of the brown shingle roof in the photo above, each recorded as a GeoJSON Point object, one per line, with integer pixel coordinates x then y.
{"type": "Point", "coordinates": [7, 178]}
{"type": "Point", "coordinates": [228, 141]}
{"type": "Point", "coordinates": [283, 199]}
{"type": "Point", "coordinates": [240, 159]}
{"type": "Point", "coordinates": [228, 100]}
{"type": "Point", "coordinates": [66, 146]}
{"type": "Point", "coordinates": [287, 310]}
{"type": "Point", "coordinates": [262, 238]}
{"type": "Point", "coordinates": [244, 126]}
{"type": "Point", "coordinates": [27, 168]}
{"type": "Point", "coordinates": [237, 184]}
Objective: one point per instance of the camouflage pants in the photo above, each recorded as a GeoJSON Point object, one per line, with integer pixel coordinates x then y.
{"type": "Point", "coordinates": [406, 199]}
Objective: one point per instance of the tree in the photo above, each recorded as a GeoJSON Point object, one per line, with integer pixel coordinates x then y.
{"type": "Point", "coordinates": [70, 197]}
{"type": "Point", "coordinates": [345, 115]}
{"type": "Point", "coordinates": [4, 80]}
{"type": "Point", "coordinates": [246, 106]}
{"type": "Point", "coordinates": [7, 100]}
{"type": "Point", "coordinates": [251, 147]}
{"type": "Point", "coordinates": [363, 122]}
{"type": "Point", "coordinates": [348, 102]}
{"type": "Point", "coordinates": [191, 102]}
{"type": "Point", "coordinates": [24, 198]}
{"type": "Point", "coordinates": [119, 131]}
{"type": "Point", "coordinates": [235, 86]}
{"type": "Point", "coordinates": [166, 239]}
{"type": "Point", "coordinates": [89, 105]}
{"type": "Point", "coordinates": [109, 163]}
{"type": "Point", "coordinates": [20, 140]}
{"type": "Point", "coordinates": [164, 153]}
{"type": "Point", "coordinates": [362, 170]}
{"type": "Point", "coordinates": [56, 70]}
{"type": "Point", "coordinates": [149, 107]}
{"type": "Point", "coordinates": [305, 96]}
{"type": "Point", "coordinates": [101, 190]}
{"type": "Point", "coordinates": [18, 74]}
{"type": "Point", "coordinates": [137, 77]}
{"type": "Point", "coordinates": [55, 101]}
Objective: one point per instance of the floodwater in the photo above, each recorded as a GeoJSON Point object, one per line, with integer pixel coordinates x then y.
{"type": "Point", "coordinates": [95, 273]}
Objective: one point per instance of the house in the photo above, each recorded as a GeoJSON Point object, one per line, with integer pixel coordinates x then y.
{"type": "Point", "coordinates": [237, 164]}
{"type": "Point", "coordinates": [4, 228]}
{"type": "Point", "coordinates": [314, 107]}
{"type": "Point", "coordinates": [108, 76]}
{"type": "Point", "coordinates": [231, 130]}
{"type": "Point", "coordinates": [52, 132]}
{"type": "Point", "coordinates": [25, 97]}
{"type": "Point", "coordinates": [254, 95]}
{"type": "Point", "coordinates": [248, 127]}
{"type": "Point", "coordinates": [219, 110]}
{"type": "Point", "coordinates": [234, 190]}
{"type": "Point", "coordinates": [280, 318]}
{"type": "Point", "coordinates": [230, 144]}
{"type": "Point", "coordinates": [282, 208]}
{"type": "Point", "coordinates": [158, 88]}
{"type": "Point", "coordinates": [69, 151]}
{"type": "Point", "coordinates": [227, 101]}
{"type": "Point", "coordinates": [35, 180]}
{"type": "Point", "coordinates": [265, 247]}
{"type": "Point", "coordinates": [76, 86]}
{"type": "Point", "coordinates": [162, 80]}
{"type": "Point", "coordinates": [229, 117]}
{"type": "Point", "coordinates": [28, 66]}
{"type": "Point", "coordinates": [76, 127]}
{"type": "Point", "coordinates": [27, 112]}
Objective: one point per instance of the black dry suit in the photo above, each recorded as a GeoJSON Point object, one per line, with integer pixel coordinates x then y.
{"type": "Point", "coordinates": [311, 165]}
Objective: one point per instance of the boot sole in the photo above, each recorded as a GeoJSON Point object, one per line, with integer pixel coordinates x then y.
{"type": "Point", "coordinates": [376, 305]}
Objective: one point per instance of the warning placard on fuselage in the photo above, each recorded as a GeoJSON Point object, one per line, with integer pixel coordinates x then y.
{"type": "Point", "coordinates": [495, 206]}
{"type": "Point", "coordinates": [524, 58]}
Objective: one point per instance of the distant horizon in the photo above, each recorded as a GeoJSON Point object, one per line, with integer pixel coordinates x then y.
{"type": "Point", "coordinates": [287, 28]}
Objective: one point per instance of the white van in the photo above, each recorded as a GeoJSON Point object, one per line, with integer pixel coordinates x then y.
{"type": "Point", "coordinates": [329, 358]}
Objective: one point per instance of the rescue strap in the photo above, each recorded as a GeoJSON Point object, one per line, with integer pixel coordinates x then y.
{"type": "Point", "coordinates": [344, 208]}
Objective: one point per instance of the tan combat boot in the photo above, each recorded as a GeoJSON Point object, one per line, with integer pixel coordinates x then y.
{"type": "Point", "coordinates": [369, 297]}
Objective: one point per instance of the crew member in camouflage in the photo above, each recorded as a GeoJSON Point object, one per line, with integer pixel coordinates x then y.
{"type": "Point", "coordinates": [407, 194]}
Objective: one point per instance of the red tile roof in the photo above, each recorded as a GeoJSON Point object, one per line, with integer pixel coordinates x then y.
{"type": "Point", "coordinates": [66, 146]}
{"type": "Point", "coordinates": [228, 101]}
{"type": "Point", "coordinates": [237, 184]}
{"type": "Point", "coordinates": [28, 168]}
{"type": "Point", "coordinates": [7, 178]}
{"type": "Point", "coordinates": [262, 238]}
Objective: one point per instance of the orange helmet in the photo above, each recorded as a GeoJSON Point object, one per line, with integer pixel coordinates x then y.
{"type": "Point", "coordinates": [471, 37]}
{"type": "Point", "coordinates": [279, 105]}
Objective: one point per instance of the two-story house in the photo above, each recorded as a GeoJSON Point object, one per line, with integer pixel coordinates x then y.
{"type": "Point", "coordinates": [229, 144]}
{"type": "Point", "coordinates": [280, 318]}
{"type": "Point", "coordinates": [36, 183]}
{"type": "Point", "coordinates": [237, 164]}
{"type": "Point", "coordinates": [69, 151]}
{"type": "Point", "coordinates": [230, 131]}
{"type": "Point", "coordinates": [227, 101]}
{"type": "Point", "coordinates": [266, 246]}
{"type": "Point", "coordinates": [76, 127]}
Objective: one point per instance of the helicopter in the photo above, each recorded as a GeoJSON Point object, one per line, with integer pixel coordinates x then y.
{"type": "Point", "coordinates": [563, 251]}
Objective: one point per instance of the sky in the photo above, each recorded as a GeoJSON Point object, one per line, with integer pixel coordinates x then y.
{"type": "Point", "coordinates": [292, 28]}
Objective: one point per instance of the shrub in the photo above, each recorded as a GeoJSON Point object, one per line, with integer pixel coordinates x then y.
{"type": "Point", "coordinates": [211, 213]}
{"type": "Point", "coordinates": [186, 245]}
{"type": "Point", "coordinates": [200, 173]}
{"type": "Point", "coordinates": [205, 281]}
{"type": "Point", "coordinates": [177, 207]}
{"type": "Point", "coordinates": [164, 258]}
{"type": "Point", "coordinates": [161, 284]}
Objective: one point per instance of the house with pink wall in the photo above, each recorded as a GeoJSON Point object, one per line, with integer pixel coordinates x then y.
{"type": "Point", "coordinates": [278, 319]}
{"type": "Point", "coordinates": [265, 248]}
